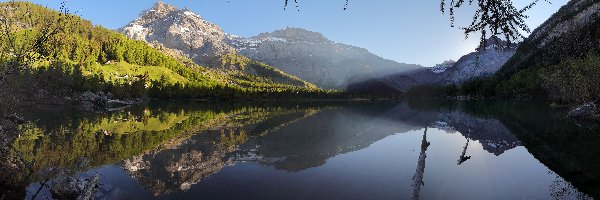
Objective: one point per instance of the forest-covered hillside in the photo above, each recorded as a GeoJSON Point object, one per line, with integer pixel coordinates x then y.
{"type": "Point", "coordinates": [46, 52]}
{"type": "Point", "coordinates": [558, 61]}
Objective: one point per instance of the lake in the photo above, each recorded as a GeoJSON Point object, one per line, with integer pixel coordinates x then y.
{"type": "Point", "coordinates": [311, 150]}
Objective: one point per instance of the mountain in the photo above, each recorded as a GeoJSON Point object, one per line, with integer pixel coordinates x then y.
{"type": "Point", "coordinates": [484, 62]}
{"type": "Point", "coordinates": [559, 60]}
{"type": "Point", "coordinates": [181, 30]}
{"type": "Point", "coordinates": [442, 67]}
{"type": "Point", "coordinates": [301, 53]}
{"type": "Point", "coordinates": [81, 57]}
{"type": "Point", "coordinates": [312, 57]}
{"type": "Point", "coordinates": [185, 33]}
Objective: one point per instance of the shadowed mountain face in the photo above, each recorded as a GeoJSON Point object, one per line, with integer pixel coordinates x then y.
{"type": "Point", "coordinates": [184, 34]}
{"type": "Point", "coordinates": [482, 63]}
{"type": "Point", "coordinates": [314, 58]}
{"type": "Point", "coordinates": [298, 52]}
{"type": "Point", "coordinates": [571, 33]}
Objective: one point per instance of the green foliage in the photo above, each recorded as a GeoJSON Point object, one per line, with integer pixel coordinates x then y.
{"type": "Point", "coordinates": [111, 137]}
{"type": "Point", "coordinates": [573, 80]}
{"type": "Point", "coordinates": [256, 72]}
{"type": "Point", "coordinates": [560, 67]}
{"type": "Point", "coordinates": [538, 68]}
{"type": "Point", "coordinates": [100, 59]}
{"type": "Point", "coordinates": [525, 82]}
{"type": "Point", "coordinates": [497, 17]}
{"type": "Point", "coordinates": [429, 91]}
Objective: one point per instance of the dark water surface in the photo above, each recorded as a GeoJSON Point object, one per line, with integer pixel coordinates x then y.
{"type": "Point", "coordinates": [204, 150]}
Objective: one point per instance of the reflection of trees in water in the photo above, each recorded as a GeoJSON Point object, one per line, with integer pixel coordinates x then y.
{"type": "Point", "coordinates": [418, 177]}
{"type": "Point", "coordinates": [54, 146]}
{"type": "Point", "coordinates": [566, 148]}
{"type": "Point", "coordinates": [177, 167]}
{"type": "Point", "coordinates": [17, 172]}
{"type": "Point", "coordinates": [12, 183]}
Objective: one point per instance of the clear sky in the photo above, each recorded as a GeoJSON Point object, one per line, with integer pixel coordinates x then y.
{"type": "Point", "coordinates": [410, 31]}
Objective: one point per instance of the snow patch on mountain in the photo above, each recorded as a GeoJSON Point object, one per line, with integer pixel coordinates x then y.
{"type": "Point", "coordinates": [440, 68]}
{"type": "Point", "coordinates": [311, 56]}
{"type": "Point", "coordinates": [180, 30]}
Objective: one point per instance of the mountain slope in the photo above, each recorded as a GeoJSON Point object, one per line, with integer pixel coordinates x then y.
{"type": "Point", "coordinates": [180, 30]}
{"type": "Point", "coordinates": [558, 60]}
{"type": "Point", "coordinates": [297, 52]}
{"type": "Point", "coordinates": [82, 57]}
{"type": "Point", "coordinates": [572, 32]}
{"type": "Point", "coordinates": [482, 63]}
{"type": "Point", "coordinates": [186, 33]}
{"type": "Point", "coordinates": [312, 57]}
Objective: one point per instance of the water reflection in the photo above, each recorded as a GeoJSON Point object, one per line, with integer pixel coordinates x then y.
{"type": "Point", "coordinates": [330, 150]}
{"type": "Point", "coordinates": [463, 158]}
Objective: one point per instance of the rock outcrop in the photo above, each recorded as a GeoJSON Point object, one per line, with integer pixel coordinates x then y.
{"type": "Point", "coordinates": [182, 33]}
{"type": "Point", "coordinates": [100, 101]}
{"type": "Point", "coordinates": [180, 30]}
{"type": "Point", "coordinates": [587, 110]}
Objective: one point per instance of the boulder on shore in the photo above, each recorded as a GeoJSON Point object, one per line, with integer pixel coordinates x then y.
{"type": "Point", "coordinates": [587, 110]}
{"type": "Point", "coordinates": [96, 101]}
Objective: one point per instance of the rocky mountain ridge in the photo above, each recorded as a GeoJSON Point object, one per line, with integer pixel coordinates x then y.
{"type": "Point", "coordinates": [305, 54]}
{"type": "Point", "coordinates": [484, 62]}
{"type": "Point", "coordinates": [182, 33]}
{"type": "Point", "coordinates": [308, 55]}
{"type": "Point", "coordinates": [311, 56]}
{"type": "Point", "coordinates": [181, 30]}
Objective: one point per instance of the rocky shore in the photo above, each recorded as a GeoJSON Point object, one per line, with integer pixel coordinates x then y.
{"type": "Point", "coordinates": [100, 101]}
{"type": "Point", "coordinates": [587, 110]}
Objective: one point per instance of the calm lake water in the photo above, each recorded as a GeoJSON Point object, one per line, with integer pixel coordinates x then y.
{"type": "Point", "coordinates": [209, 150]}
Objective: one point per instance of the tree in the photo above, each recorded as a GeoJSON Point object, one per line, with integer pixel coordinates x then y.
{"type": "Point", "coordinates": [500, 17]}
{"type": "Point", "coordinates": [19, 48]}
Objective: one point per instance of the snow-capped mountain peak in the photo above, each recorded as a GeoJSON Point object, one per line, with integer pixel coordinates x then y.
{"type": "Point", "coordinates": [181, 30]}
{"type": "Point", "coordinates": [440, 68]}
{"type": "Point", "coordinates": [311, 56]}
{"type": "Point", "coordinates": [305, 54]}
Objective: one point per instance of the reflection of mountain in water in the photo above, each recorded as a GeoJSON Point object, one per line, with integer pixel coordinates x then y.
{"type": "Point", "coordinates": [178, 166]}
{"type": "Point", "coordinates": [568, 149]}
{"type": "Point", "coordinates": [311, 141]}
{"type": "Point", "coordinates": [491, 133]}
{"type": "Point", "coordinates": [166, 155]}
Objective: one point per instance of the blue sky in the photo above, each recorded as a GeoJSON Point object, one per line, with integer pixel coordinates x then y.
{"type": "Point", "coordinates": [410, 31]}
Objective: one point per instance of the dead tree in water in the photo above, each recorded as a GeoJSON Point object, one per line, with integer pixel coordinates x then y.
{"type": "Point", "coordinates": [418, 177]}
{"type": "Point", "coordinates": [462, 157]}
